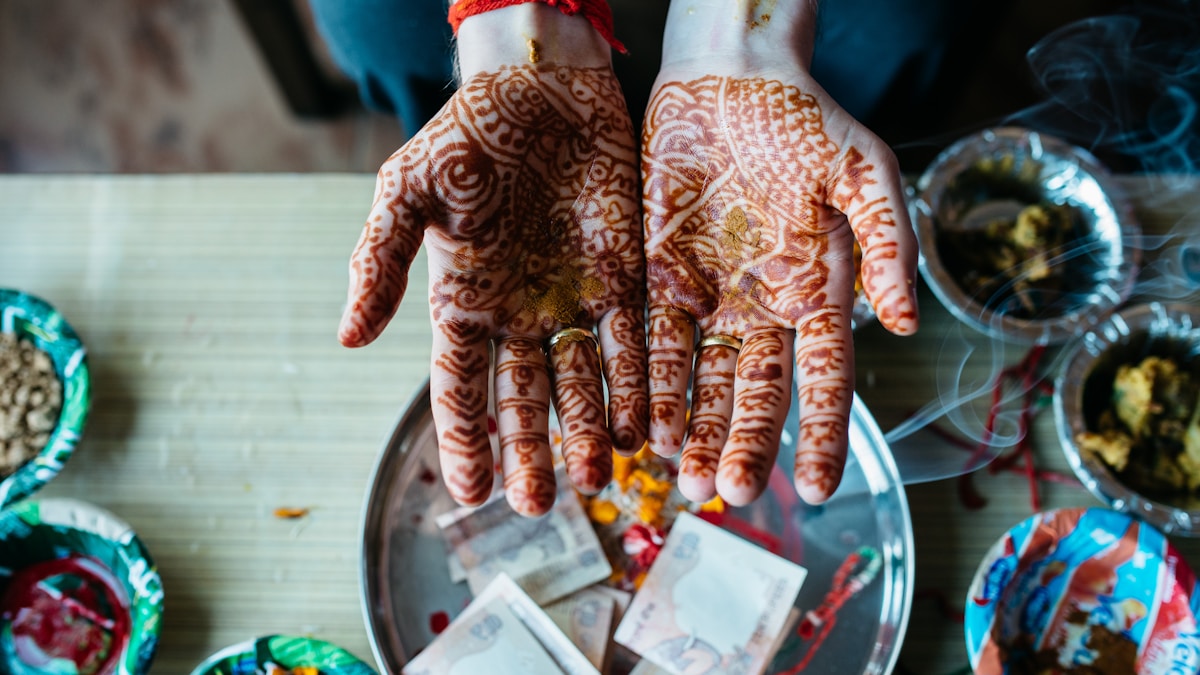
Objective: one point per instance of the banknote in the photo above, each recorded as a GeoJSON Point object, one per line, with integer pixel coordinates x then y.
{"type": "Point", "coordinates": [648, 667]}
{"type": "Point", "coordinates": [586, 617]}
{"type": "Point", "coordinates": [504, 624]}
{"type": "Point", "coordinates": [550, 556]}
{"type": "Point", "coordinates": [556, 643]}
{"type": "Point", "coordinates": [487, 639]}
{"type": "Point", "coordinates": [711, 603]}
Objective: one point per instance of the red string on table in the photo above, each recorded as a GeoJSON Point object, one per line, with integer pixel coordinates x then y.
{"type": "Point", "coordinates": [1034, 391]}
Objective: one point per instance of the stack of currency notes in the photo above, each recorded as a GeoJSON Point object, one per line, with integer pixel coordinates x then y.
{"type": "Point", "coordinates": [711, 602]}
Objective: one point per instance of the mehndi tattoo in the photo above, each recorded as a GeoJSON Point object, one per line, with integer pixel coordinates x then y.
{"type": "Point", "coordinates": [524, 189]}
{"type": "Point", "coordinates": [739, 177]}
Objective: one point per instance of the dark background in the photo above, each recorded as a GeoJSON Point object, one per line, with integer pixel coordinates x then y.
{"type": "Point", "coordinates": [146, 86]}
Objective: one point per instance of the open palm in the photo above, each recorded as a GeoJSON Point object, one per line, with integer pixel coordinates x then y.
{"type": "Point", "coordinates": [524, 191]}
{"type": "Point", "coordinates": [754, 189]}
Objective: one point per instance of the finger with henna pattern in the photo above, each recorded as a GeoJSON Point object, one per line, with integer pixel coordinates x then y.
{"type": "Point", "coordinates": [458, 384]}
{"type": "Point", "coordinates": [385, 250]}
{"type": "Point", "coordinates": [522, 387]}
{"type": "Point", "coordinates": [825, 373]}
{"type": "Point", "coordinates": [670, 346]}
{"type": "Point", "coordinates": [761, 395]}
{"type": "Point", "coordinates": [708, 429]}
{"type": "Point", "coordinates": [867, 190]}
{"type": "Point", "coordinates": [623, 345]}
{"type": "Point", "coordinates": [579, 402]}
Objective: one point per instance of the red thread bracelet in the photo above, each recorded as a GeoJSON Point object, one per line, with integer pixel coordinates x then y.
{"type": "Point", "coordinates": [597, 12]}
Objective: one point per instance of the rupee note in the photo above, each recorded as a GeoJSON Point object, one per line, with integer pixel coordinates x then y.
{"type": "Point", "coordinates": [648, 667]}
{"type": "Point", "coordinates": [586, 617]}
{"type": "Point", "coordinates": [711, 603]}
{"type": "Point", "coordinates": [556, 643]}
{"type": "Point", "coordinates": [550, 556]}
{"type": "Point", "coordinates": [489, 638]}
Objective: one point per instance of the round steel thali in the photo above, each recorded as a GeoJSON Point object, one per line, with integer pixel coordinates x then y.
{"type": "Point", "coordinates": [407, 590]}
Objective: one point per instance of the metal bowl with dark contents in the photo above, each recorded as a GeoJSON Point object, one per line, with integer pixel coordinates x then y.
{"type": "Point", "coordinates": [1024, 237]}
{"type": "Point", "coordinates": [1127, 410]}
{"type": "Point", "coordinates": [406, 583]}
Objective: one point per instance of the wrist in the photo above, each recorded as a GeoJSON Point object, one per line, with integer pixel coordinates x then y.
{"type": "Point", "coordinates": [740, 36]}
{"type": "Point", "coordinates": [530, 32]}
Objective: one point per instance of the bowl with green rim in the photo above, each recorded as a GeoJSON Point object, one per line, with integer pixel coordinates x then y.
{"type": "Point", "coordinates": [36, 322]}
{"type": "Point", "coordinates": [287, 654]}
{"type": "Point", "coordinates": [79, 592]}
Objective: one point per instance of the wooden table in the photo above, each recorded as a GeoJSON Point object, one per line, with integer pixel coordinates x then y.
{"type": "Point", "coordinates": [209, 305]}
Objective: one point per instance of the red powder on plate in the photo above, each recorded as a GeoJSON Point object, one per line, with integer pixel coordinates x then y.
{"type": "Point", "coordinates": [438, 621]}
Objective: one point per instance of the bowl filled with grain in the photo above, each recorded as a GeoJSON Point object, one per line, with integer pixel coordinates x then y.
{"type": "Point", "coordinates": [1127, 411]}
{"type": "Point", "coordinates": [45, 391]}
{"type": "Point", "coordinates": [1025, 237]}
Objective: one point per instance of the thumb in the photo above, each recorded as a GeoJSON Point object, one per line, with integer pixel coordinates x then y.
{"type": "Point", "coordinates": [385, 251]}
{"type": "Point", "coordinates": [867, 190]}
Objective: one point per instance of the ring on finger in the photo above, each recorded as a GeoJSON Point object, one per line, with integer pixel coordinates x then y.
{"type": "Point", "coordinates": [569, 335]}
{"type": "Point", "coordinates": [723, 340]}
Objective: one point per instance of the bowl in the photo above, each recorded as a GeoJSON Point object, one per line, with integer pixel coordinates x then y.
{"type": "Point", "coordinates": [1084, 390]}
{"type": "Point", "coordinates": [288, 652]}
{"type": "Point", "coordinates": [79, 594]}
{"type": "Point", "coordinates": [1024, 237]}
{"type": "Point", "coordinates": [1082, 590]}
{"type": "Point", "coordinates": [34, 320]}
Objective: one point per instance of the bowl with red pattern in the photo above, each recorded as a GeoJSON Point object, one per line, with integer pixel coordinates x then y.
{"type": "Point", "coordinates": [79, 593]}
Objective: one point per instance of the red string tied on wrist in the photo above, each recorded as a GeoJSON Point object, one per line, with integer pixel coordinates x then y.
{"type": "Point", "coordinates": [597, 12]}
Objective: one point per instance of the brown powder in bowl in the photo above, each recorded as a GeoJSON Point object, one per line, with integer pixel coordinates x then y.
{"type": "Point", "coordinates": [30, 401]}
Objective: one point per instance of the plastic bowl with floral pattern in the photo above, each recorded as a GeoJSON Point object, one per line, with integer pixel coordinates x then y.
{"type": "Point", "coordinates": [287, 655]}
{"type": "Point", "coordinates": [79, 592]}
{"type": "Point", "coordinates": [32, 319]}
{"type": "Point", "coordinates": [1024, 237]}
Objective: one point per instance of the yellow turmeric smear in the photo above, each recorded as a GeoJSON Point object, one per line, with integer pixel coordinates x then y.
{"type": "Point", "coordinates": [736, 232]}
{"type": "Point", "coordinates": [563, 300]}
{"type": "Point", "coordinates": [535, 50]}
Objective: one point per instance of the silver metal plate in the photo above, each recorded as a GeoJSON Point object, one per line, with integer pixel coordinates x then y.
{"type": "Point", "coordinates": [405, 580]}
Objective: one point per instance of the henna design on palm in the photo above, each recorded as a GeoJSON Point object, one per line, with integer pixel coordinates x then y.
{"type": "Point", "coordinates": [747, 195]}
{"type": "Point", "coordinates": [523, 190]}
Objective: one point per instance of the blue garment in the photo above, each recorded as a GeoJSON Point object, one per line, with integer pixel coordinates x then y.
{"type": "Point", "coordinates": [398, 52]}
{"type": "Point", "coordinates": [868, 54]}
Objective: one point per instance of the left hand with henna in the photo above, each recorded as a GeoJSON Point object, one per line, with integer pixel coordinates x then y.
{"type": "Point", "coordinates": [755, 186]}
{"type": "Point", "coordinates": [524, 192]}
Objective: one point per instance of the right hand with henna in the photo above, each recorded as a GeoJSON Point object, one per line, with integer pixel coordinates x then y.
{"type": "Point", "coordinates": [524, 191]}
{"type": "Point", "coordinates": [756, 186]}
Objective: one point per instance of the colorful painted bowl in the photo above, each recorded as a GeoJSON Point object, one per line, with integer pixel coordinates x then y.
{"type": "Point", "coordinates": [1083, 391]}
{"type": "Point", "coordinates": [34, 319]}
{"type": "Point", "coordinates": [80, 594]}
{"type": "Point", "coordinates": [992, 177]}
{"type": "Point", "coordinates": [286, 652]}
{"type": "Point", "coordinates": [1077, 588]}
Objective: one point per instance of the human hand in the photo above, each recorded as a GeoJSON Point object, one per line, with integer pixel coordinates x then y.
{"type": "Point", "coordinates": [524, 191]}
{"type": "Point", "coordinates": [755, 185]}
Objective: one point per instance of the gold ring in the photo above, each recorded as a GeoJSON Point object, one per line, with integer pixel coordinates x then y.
{"type": "Point", "coordinates": [569, 335]}
{"type": "Point", "coordinates": [723, 340]}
